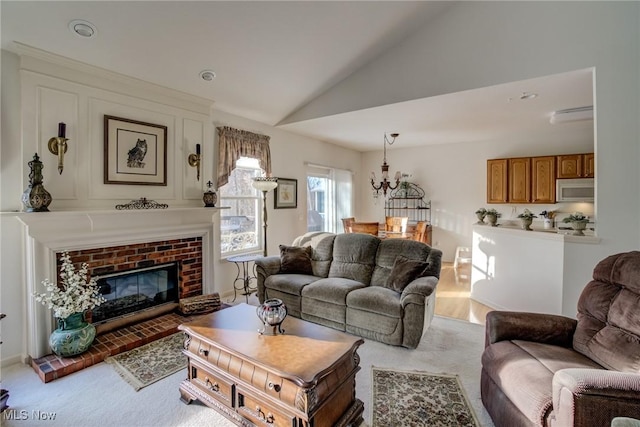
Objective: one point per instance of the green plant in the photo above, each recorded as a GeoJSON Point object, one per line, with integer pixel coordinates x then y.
{"type": "Point", "coordinates": [481, 211]}
{"type": "Point", "coordinates": [527, 214]}
{"type": "Point", "coordinates": [576, 217]}
{"type": "Point", "coordinates": [493, 212]}
{"type": "Point", "coordinates": [76, 294]}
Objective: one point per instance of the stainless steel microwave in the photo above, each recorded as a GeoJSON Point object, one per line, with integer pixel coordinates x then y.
{"type": "Point", "coordinates": [575, 190]}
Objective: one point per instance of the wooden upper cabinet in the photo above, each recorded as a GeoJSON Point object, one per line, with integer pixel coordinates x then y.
{"type": "Point", "coordinates": [519, 172]}
{"type": "Point", "coordinates": [543, 179]}
{"type": "Point", "coordinates": [589, 165]}
{"type": "Point", "coordinates": [575, 166]}
{"type": "Point", "coordinates": [497, 181]}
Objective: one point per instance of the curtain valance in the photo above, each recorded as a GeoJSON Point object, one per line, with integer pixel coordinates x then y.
{"type": "Point", "coordinates": [236, 143]}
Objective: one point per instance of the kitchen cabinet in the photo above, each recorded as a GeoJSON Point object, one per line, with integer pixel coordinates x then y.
{"type": "Point", "coordinates": [575, 166]}
{"type": "Point", "coordinates": [519, 181]}
{"type": "Point", "coordinates": [543, 183]}
{"type": "Point", "coordinates": [497, 181]}
{"type": "Point", "coordinates": [589, 165]}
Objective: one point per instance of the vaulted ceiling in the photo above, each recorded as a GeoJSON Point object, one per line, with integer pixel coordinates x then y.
{"type": "Point", "coordinates": [273, 58]}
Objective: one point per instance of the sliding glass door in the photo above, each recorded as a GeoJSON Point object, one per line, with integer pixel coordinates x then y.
{"type": "Point", "coordinates": [329, 198]}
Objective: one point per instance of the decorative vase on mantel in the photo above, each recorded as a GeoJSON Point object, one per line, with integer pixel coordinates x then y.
{"type": "Point", "coordinates": [480, 216]}
{"type": "Point", "coordinates": [578, 227]}
{"type": "Point", "coordinates": [35, 198]}
{"type": "Point", "coordinates": [73, 336]}
{"type": "Point", "coordinates": [493, 219]}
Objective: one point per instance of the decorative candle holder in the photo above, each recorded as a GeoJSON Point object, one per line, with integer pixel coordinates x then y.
{"type": "Point", "coordinates": [272, 313]}
{"type": "Point", "coordinates": [58, 145]}
{"type": "Point", "coordinates": [194, 161]}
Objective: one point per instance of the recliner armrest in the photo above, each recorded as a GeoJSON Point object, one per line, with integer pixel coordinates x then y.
{"type": "Point", "coordinates": [265, 267]}
{"type": "Point", "coordinates": [536, 327]}
{"type": "Point", "coordinates": [581, 395]}
{"type": "Point", "coordinates": [417, 290]}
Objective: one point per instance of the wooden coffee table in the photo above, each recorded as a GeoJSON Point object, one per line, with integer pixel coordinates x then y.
{"type": "Point", "coordinates": [303, 378]}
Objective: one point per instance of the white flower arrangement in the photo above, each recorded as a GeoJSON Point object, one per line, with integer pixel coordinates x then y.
{"type": "Point", "coordinates": [75, 295]}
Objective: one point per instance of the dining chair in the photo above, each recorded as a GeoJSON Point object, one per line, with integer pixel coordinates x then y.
{"type": "Point", "coordinates": [346, 224]}
{"type": "Point", "coordinates": [365, 227]}
{"type": "Point", "coordinates": [396, 224]}
{"type": "Point", "coordinates": [420, 232]}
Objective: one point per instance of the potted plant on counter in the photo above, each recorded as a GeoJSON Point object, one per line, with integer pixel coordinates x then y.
{"type": "Point", "coordinates": [527, 218]}
{"type": "Point", "coordinates": [493, 215]}
{"type": "Point", "coordinates": [578, 222]}
{"type": "Point", "coordinates": [481, 213]}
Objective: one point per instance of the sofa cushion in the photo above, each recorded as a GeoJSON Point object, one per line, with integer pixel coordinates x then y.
{"type": "Point", "coordinates": [404, 271]}
{"type": "Point", "coordinates": [289, 283]}
{"type": "Point", "coordinates": [322, 244]}
{"type": "Point", "coordinates": [608, 329]}
{"type": "Point", "coordinates": [333, 290]}
{"type": "Point", "coordinates": [513, 363]}
{"type": "Point", "coordinates": [354, 256]}
{"type": "Point", "coordinates": [296, 259]}
{"type": "Point", "coordinates": [376, 299]}
{"type": "Point", "coordinates": [390, 249]}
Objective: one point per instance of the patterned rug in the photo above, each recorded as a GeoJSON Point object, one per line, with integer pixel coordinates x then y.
{"type": "Point", "coordinates": [413, 398]}
{"type": "Point", "coordinates": [151, 362]}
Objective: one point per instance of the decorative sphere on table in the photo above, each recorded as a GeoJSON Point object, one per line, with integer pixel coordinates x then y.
{"type": "Point", "coordinates": [272, 313]}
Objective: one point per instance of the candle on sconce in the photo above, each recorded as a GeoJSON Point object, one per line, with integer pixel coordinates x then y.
{"type": "Point", "coordinates": [62, 128]}
{"type": "Point", "coordinates": [198, 149]}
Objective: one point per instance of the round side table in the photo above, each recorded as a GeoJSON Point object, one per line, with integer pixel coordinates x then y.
{"type": "Point", "coordinates": [245, 275]}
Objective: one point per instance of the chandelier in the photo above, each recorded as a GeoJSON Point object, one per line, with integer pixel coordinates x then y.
{"type": "Point", "coordinates": [385, 184]}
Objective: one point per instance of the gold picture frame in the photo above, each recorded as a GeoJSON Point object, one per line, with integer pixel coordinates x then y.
{"type": "Point", "coordinates": [135, 153]}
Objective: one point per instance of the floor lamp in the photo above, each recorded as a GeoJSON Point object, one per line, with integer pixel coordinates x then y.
{"type": "Point", "coordinates": [265, 185]}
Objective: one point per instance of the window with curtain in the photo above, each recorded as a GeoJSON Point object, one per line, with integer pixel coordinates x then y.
{"type": "Point", "coordinates": [242, 156]}
{"type": "Point", "coordinates": [329, 198]}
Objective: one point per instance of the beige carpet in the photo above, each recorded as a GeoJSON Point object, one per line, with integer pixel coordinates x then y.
{"type": "Point", "coordinates": [97, 396]}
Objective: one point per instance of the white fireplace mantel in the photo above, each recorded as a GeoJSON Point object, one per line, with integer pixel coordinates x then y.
{"type": "Point", "coordinates": [46, 233]}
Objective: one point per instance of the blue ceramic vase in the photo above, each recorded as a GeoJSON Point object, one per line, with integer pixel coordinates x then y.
{"type": "Point", "coordinates": [73, 336]}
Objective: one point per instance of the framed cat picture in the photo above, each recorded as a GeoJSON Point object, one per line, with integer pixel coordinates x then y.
{"type": "Point", "coordinates": [135, 152]}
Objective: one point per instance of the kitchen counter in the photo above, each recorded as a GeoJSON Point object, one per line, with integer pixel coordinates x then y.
{"type": "Point", "coordinates": [541, 233]}
{"type": "Point", "coordinates": [520, 270]}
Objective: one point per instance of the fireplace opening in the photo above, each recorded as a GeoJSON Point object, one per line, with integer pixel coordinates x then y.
{"type": "Point", "coordinates": [135, 291]}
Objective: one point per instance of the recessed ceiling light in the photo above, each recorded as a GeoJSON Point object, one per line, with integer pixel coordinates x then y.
{"type": "Point", "coordinates": [207, 75]}
{"type": "Point", "coordinates": [82, 28]}
{"type": "Point", "coordinates": [528, 95]}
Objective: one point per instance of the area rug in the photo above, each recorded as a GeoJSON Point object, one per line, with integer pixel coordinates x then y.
{"type": "Point", "coordinates": [151, 362]}
{"type": "Point", "coordinates": [415, 398]}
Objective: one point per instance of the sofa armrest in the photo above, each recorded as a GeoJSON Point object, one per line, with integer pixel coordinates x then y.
{"type": "Point", "coordinates": [581, 396]}
{"type": "Point", "coordinates": [417, 290]}
{"type": "Point", "coordinates": [536, 327]}
{"type": "Point", "coordinates": [265, 267]}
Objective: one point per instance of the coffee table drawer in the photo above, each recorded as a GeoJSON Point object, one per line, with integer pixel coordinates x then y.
{"type": "Point", "coordinates": [259, 413]}
{"type": "Point", "coordinates": [212, 384]}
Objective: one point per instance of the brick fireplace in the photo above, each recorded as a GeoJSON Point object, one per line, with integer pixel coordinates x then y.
{"type": "Point", "coordinates": [113, 241]}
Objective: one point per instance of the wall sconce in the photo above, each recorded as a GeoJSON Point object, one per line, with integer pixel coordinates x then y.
{"type": "Point", "coordinates": [58, 146]}
{"type": "Point", "coordinates": [194, 161]}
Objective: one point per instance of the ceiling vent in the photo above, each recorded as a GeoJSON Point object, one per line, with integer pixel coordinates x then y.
{"type": "Point", "coordinates": [572, 115]}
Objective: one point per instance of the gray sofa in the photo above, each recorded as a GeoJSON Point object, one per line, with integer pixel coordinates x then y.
{"type": "Point", "coordinates": [351, 286]}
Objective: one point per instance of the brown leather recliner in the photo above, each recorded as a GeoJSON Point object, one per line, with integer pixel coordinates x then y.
{"type": "Point", "coordinates": [554, 371]}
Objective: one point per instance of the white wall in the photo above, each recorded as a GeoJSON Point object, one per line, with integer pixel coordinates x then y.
{"type": "Point", "coordinates": [479, 44]}
{"type": "Point", "coordinates": [38, 92]}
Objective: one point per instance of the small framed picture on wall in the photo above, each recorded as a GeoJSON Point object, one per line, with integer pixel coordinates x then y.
{"type": "Point", "coordinates": [286, 194]}
{"type": "Point", "coordinates": [134, 152]}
